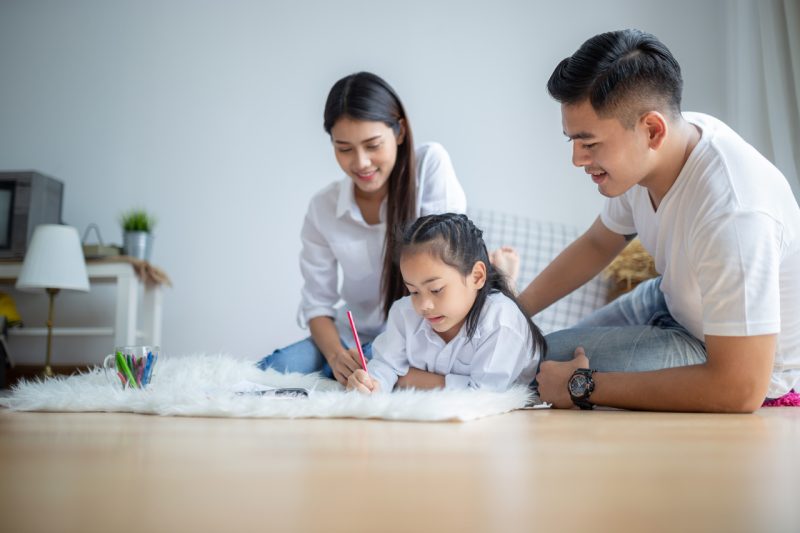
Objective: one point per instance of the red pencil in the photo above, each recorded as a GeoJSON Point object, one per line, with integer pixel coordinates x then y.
{"type": "Point", "coordinates": [358, 342]}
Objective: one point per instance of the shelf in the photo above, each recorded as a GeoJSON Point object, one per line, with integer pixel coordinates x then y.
{"type": "Point", "coordinates": [127, 329]}
{"type": "Point", "coordinates": [60, 332]}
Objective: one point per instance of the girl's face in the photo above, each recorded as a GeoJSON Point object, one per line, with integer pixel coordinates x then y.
{"type": "Point", "coordinates": [366, 151]}
{"type": "Point", "coordinates": [440, 294]}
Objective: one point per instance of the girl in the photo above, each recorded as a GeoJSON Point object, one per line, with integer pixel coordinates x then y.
{"type": "Point", "coordinates": [460, 326]}
{"type": "Point", "coordinates": [388, 184]}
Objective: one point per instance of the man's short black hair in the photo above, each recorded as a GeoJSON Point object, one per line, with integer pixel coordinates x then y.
{"type": "Point", "coordinates": [623, 74]}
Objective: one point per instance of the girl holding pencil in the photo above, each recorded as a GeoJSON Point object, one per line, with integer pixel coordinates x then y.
{"type": "Point", "coordinates": [389, 183]}
{"type": "Point", "coordinates": [460, 327]}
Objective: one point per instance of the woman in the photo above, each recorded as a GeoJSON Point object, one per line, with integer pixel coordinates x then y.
{"type": "Point", "coordinates": [352, 222]}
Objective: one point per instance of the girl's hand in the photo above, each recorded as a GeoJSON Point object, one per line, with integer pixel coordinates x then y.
{"type": "Point", "coordinates": [344, 362]}
{"type": "Point", "coordinates": [362, 382]}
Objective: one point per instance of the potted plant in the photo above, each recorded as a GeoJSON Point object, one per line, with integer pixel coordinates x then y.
{"type": "Point", "coordinates": [137, 229]}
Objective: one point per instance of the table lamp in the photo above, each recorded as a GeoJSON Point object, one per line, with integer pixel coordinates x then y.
{"type": "Point", "coordinates": [54, 261]}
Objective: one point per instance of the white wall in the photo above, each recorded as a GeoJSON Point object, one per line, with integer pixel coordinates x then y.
{"type": "Point", "coordinates": [210, 115]}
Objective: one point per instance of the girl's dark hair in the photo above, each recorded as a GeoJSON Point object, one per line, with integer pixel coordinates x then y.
{"type": "Point", "coordinates": [365, 96]}
{"type": "Point", "coordinates": [455, 240]}
{"type": "Point", "coordinates": [621, 73]}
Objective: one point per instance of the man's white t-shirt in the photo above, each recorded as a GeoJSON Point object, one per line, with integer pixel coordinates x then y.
{"type": "Point", "coordinates": [726, 240]}
{"type": "Point", "coordinates": [336, 235]}
{"type": "Point", "coordinates": [499, 354]}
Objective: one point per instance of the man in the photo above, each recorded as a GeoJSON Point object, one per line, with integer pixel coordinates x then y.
{"type": "Point", "coordinates": [719, 330]}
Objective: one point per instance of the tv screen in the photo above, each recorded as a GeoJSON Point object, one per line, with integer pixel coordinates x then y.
{"type": "Point", "coordinates": [27, 199]}
{"type": "Point", "coordinates": [6, 206]}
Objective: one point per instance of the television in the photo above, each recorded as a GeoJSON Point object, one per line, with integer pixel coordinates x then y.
{"type": "Point", "coordinates": [27, 199]}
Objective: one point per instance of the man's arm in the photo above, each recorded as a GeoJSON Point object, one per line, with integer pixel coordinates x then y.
{"type": "Point", "coordinates": [734, 379]}
{"type": "Point", "coordinates": [578, 263]}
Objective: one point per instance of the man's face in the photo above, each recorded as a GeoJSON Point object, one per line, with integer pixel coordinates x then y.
{"type": "Point", "coordinates": [615, 157]}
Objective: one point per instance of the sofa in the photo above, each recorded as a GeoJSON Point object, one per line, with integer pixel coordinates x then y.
{"type": "Point", "coordinates": [538, 243]}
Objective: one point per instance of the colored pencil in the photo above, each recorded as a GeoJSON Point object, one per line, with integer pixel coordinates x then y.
{"type": "Point", "coordinates": [358, 343]}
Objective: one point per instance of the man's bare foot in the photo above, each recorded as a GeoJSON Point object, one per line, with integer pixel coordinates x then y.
{"type": "Point", "coordinates": [506, 260]}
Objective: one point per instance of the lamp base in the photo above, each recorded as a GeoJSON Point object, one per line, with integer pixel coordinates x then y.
{"type": "Point", "coordinates": [48, 371]}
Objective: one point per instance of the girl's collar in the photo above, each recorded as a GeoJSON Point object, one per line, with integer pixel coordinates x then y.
{"type": "Point", "coordinates": [425, 328]}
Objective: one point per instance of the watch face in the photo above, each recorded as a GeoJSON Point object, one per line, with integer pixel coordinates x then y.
{"type": "Point", "coordinates": [577, 385]}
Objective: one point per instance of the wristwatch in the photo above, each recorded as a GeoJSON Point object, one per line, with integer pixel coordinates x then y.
{"type": "Point", "coordinates": [580, 387]}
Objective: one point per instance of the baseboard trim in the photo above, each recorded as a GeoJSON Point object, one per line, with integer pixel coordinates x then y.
{"type": "Point", "coordinates": [18, 372]}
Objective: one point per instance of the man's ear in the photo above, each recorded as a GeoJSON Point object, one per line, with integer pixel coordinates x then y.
{"type": "Point", "coordinates": [478, 275]}
{"type": "Point", "coordinates": [657, 128]}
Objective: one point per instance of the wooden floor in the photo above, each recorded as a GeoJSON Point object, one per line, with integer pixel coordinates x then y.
{"type": "Point", "coordinates": [525, 471]}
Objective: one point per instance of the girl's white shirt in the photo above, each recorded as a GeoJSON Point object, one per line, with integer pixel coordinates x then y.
{"type": "Point", "coordinates": [336, 238]}
{"type": "Point", "coordinates": [500, 353]}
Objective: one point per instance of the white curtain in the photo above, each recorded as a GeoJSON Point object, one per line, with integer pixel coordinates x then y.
{"type": "Point", "coordinates": [764, 45]}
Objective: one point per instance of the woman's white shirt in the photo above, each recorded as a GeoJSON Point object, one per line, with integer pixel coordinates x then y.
{"type": "Point", "coordinates": [500, 353]}
{"type": "Point", "coordinates": [335, 235]}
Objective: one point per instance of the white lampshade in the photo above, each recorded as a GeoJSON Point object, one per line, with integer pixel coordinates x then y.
{"type": "Point", "coordinates": [54, 260]}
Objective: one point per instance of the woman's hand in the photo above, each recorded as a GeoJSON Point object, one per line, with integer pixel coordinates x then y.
{"type": "Point", "coordinates": [344, 362]}
{"type": "Point", "coordinates": [362, 382]}
{"type": "Point", "coordinates": [341, 360]}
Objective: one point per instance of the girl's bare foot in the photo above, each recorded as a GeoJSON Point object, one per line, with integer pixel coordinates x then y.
{"type": "Point", "coordinates": [506, 260]}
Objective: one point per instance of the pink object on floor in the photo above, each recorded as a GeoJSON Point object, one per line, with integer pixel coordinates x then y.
{"type": "Point", "coordinates": [790, 399]}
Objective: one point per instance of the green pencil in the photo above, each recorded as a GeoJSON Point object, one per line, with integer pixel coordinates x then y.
{"type": "Point", "coordinates": [126, 370]}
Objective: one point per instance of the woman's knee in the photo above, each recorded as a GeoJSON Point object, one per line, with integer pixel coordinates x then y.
{"type": "Point", "coordinates": [301, 357]}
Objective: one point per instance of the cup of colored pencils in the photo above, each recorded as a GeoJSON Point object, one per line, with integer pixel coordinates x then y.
{"type": "Point", "coordinates": [132, 366]}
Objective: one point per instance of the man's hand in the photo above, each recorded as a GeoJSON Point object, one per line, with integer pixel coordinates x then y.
{"type": "Point", "coordinates": [343, 363]}
{"type": "Point", "coordinates": [553, 377]}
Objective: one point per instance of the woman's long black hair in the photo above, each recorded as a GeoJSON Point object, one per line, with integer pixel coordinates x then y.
{"type": "Point", "coordinates": [455, 240]}
{"type": "Point", "coordinates": [365, 96]}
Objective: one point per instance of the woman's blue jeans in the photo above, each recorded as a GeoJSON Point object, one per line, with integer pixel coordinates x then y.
{"type": "Point", "coordinates": [305, 357]}
{"type": "Point", "coordinates": [634, 333]}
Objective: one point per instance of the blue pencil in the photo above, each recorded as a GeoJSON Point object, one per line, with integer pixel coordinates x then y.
{"type": "Point", "coordinates": [152, 367]}
{"type": "Point", "coordinates": [147, 366]}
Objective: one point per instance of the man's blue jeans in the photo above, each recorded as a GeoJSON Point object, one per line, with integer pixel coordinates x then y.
{"type": "Point", "coordinates": [634, 333]}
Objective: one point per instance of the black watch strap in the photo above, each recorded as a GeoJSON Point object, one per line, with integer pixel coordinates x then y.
{"type": "Point", "coordinates": [580, 387]}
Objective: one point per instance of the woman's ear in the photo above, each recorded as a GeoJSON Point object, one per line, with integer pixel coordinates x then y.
{"type": "Point", "coordinates": [478, 275]}
{"type": "Point", "coordinates": [401, 136]}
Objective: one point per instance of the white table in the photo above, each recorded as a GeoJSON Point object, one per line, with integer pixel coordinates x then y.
{"type": "Point", "coordinates": [125, 330]}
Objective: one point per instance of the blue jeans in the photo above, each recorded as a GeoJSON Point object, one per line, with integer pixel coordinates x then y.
{"type": "Point", "coordinates": [304, 357]}
{"type": "Point", "coordinates": [634, 333]}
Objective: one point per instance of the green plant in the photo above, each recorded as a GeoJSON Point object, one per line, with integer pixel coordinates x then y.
{"type": "Point", "coordinates": [137, 220]}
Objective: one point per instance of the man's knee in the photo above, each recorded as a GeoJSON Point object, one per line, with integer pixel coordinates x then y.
{"type": "Point", "coordinates": [561, 345]}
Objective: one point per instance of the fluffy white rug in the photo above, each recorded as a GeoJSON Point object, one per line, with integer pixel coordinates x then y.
{"type": "Point", "coordinates": [203, 385]}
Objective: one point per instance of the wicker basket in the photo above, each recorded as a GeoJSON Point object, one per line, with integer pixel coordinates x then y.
{"type": "Point", "coordinates": [631, 267]}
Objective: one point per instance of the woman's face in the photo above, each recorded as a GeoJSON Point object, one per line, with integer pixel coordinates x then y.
{"type": "Point", "coordinates": [367, 152]}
